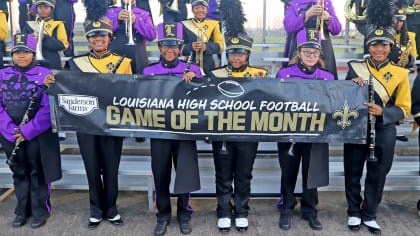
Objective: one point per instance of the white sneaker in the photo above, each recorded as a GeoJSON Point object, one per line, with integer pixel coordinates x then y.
{"type": "Point", "coordinates": [224, 224]}
{"type": "Point", "coordinates": [372, 223]}
{"type": "Point", "coordinates": [354, 221]}
{"type": "Point", "coordinates": [241, 224]}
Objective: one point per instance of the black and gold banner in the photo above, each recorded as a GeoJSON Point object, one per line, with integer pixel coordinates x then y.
{"type": "Point", "coordinates": [235, 109]}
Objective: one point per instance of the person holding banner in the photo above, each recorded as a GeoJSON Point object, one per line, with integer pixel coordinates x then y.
{"type": "Point", "coordinates": [53, 35]}
{"type": "Point", "coordinates": [101, 154]}
{"type": "Point", "coordinates": [141, 29]}
{"type": "Point", "coordinates": [183, 153]}
{"type": "Point", "coordinates": [319, 14]}
{"type": "Point", "coordinates": [32, 150]}
{"type": "Point", "coordinates": [390, 102]}
{"type": "Point", "coordinates": [233, 160]}
{"type": "Point", "coordinates": [307, 64]}
{"type": "Point", "coordinates": [202, 37]}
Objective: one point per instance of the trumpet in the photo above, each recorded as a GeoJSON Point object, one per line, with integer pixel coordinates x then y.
{"type": "Point", "coordinates": [320, 19]}
{"type": "Point", "coordinates": [405, 54]}
{"type": "Point", "coordinates": [129, 24]}
{"type": "Point", "coordinates": [353, 12]}
{"type": "Point", "coordinates": [200, 54]}
{"type": "Point", "coordinates": [40, 29]}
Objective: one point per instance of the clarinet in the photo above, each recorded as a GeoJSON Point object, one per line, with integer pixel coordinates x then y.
{"type": "Point", "coordinates": [372, 122]}
{"type": "Point", "coordinates": [189, 61]}
{"type": "Point", "coordinates": [11, 159]}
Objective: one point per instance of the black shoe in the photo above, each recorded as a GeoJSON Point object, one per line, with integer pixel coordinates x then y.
{"type": "Point", "coordinates": [402, 138]}
{"type": "Point", "coordinates": [185, 227]}
{"type": "Point", "coordinates": [19, 221]}
{"type": "Point", "coordinates": [284, 222]}
{"type": "Point", "coordinates": [94, 224]}
{"type": "Point", "coordinates": [160, 228]}
{"type": "Point", "coordinates": [418, 205]}
{"type": "Point", "coordinates": [313, 222]}
{"type": "Point", "coordinates": [354, 227]}
{"type": "Point", "coordinates": [39, 221]}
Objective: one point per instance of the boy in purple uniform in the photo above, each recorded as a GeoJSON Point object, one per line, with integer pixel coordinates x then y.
{"type": "Point", "coordinates": [307, 64]}
{"type": "Point", "coordinates": [142, 29]}
{"type": "Point", "coordinates": [183, 153]}
{"type": "Point", "coordinates": [37, 160]}
{"type": "Point", "coordinates": [304, 14]}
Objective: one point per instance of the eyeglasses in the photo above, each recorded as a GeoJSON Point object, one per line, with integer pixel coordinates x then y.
{"type": "Point", "coordinates": [167, 47]}
{"type": "Point", "coordinates": [237, 54]}
{"type": "Point", "coordinates": [309, 53]}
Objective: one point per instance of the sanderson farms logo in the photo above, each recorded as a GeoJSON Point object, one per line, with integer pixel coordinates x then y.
{"type": "Point", "coordinates": [79, 105]}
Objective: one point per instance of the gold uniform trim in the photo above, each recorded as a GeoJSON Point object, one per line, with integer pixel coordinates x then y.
{"type": "Point", "coordinates": [194, 29]}
{"type": "Point", "coordinates": [220, 73]}
{"type": "Point", "coordinates": [416, 115]}
{"type": "Point", "coordinates": [362, 70]}
{"type": "Point", "coordinates": [84, 64]}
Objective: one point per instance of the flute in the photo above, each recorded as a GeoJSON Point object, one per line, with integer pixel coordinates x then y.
{"type": "Point", "coordinates": [372, 122]}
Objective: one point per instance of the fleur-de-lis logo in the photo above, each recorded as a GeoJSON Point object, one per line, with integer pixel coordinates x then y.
{"type": "Point", "coordinates": [96, 24]}
{"type": "Point", "coordinates": [110, 67]}
{"type": "Point", "coordinates": [235, 40]}
{"type": "Point", "coordinates": [345, 115]}
{"type": "Point", "coordinates": [387, 77]}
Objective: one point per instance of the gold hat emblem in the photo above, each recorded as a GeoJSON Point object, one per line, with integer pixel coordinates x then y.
{"type": "Point", "coordinates": [235, 40]}
{"type": "Point", "coordinates": [96, 24]}
{"type": "Point", "coordinates": [168, 29]}
{"type": "Point", "coordinates": [19, 39]}
{"type": "Point", "coordinates": [379, 32]}
{"type": "Point", "coordinates": [312, 34]}
{"type": "Point", "coordinates": [345, 115]}
{"type": "Point", "coordinates": [401, 11]}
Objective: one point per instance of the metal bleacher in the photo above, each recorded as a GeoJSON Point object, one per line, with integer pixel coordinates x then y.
{"type": "Point", "coordinates": [135, 171]}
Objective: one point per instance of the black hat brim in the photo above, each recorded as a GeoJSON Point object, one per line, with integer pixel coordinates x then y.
{"type": "Point", "coordinates": [237, 50]}
{"type": "Point", "coordinates": [200, 3]}
{"type": "Point", "coordinates": [94, 33]}
{"type": "Point", "coordinates": [401, 18]}
{"type": "Point", "coordinates": [310, 45]}
{"type": "Point", "coordinates": [17, 49]}
{"type": "Point", "coordinates": [375, 42]}
{"type": "Point", "coordinates": [169, 42]}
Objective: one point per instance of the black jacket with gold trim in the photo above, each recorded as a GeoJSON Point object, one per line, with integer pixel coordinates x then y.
{"type": "Point", "coordinates": [103, 64]}
{"type": "Point", "coordinates": [211, 36]}
{"type": "Point", "coordinates": [391, 85]}
{"type": "Point", "coordinates": [55, 40]}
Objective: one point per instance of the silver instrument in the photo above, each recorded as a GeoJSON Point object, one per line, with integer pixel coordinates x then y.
{"type": "Point", "coordinates": [40, 30]}
{"type": "Point", "coordinates": [129, 24]}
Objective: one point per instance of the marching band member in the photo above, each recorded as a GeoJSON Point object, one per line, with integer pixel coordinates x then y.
{"type": "Point", "coordinates": [307, 64]}
{"type": "Point", "coordinates": [202, 36]}
{"type": "Point", "coordinates": [305, 14]}
{"type": "Point", "coordinates": [183, 153]}
{"type": "Point", "coordinates": [233, 160]}
{"type": "Point", "coordinates": [413, 22]}
{"type": "Point", "coordinates": [25, 118]}
{"type": "Point", "coordinates": [392, 102]}
{"type": "Point", "coordinates": [142, 29]}
{"type": "Point", "coordinates": [65, 12]}
{"type": "Point", "coordinates": [54, 37]}
{"type": "Point", "coordinates": [404, 53]}
{"type": "Point", "coordinates": [101, 154]}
